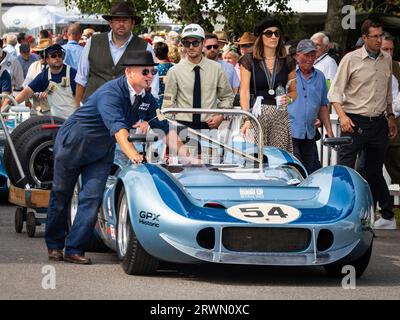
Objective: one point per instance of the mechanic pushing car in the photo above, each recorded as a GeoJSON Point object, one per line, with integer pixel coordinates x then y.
{"type": "Point", "coordinates": [85, 146]}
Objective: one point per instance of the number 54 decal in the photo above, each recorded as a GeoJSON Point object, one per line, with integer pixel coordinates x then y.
{"type": "Point", "coordinates": [264, 213]}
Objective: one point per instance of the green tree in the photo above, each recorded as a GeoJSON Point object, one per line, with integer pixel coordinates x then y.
{"type": "Point", "coordinates": [239, 15]}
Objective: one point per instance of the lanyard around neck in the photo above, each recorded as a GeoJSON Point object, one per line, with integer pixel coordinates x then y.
{"type": "Point", "coordinates": [270, 79]}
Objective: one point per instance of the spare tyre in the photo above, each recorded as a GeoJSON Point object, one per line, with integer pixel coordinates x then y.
{"type": "Point", "coordinates": [34, 146]}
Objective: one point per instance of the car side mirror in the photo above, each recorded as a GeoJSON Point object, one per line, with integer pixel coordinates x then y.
{"type": "Point", "coordinates": [143, 138]}
{"type": "Point", "coordinates": [337, 141]}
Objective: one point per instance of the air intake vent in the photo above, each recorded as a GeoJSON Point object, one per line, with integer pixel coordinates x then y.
{"type": "Point", "coordinates": [265, 239]}
{"type": "Point", "coordinates": [324, 240]}
{"type": "Point", "coordinates": [206, 238]}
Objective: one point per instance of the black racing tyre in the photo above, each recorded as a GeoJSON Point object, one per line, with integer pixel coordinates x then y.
{"type": "Point", "coordinates": [95, 244]}
{"type": "Point", "coordinates": [134, 259]}
{"type": "Point", "coordinates": [20, 217]}
{"type": "Point", "coordinates": [34, 146]}
{"type": "Point", "coordinates": [31, 224]}
{"type": "Point", "coordinates": [360, 265]}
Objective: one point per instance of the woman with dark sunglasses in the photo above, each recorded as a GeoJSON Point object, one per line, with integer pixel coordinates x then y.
{"type": "Point", "coordinates": [261, 73]}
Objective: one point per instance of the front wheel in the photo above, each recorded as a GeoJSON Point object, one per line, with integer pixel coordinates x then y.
{"type": "Point", "coordinates": [134, 259]}
{"type": "Point", "coordinates": [360, 265]}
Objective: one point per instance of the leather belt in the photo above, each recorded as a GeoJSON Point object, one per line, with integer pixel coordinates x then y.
{"type": "Point", "coordinates": [365, 118]}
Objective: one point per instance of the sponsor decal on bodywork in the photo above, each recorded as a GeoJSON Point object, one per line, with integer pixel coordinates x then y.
{"type": "Point", "coordinates": [149, 219]}
{"type": "Point", "coordinates": [252, 193]}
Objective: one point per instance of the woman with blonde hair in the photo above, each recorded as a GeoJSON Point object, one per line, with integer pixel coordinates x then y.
{"type": "Point", "coordinates": [261, 73]}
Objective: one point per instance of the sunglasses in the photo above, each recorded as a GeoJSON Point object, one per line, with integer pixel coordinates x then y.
{"type": "Point", "coordinates": [269, 33]}
{"type": "Point", "coordinates": [246, 45]}
{"type": "Point", "coordinates": [146, 72]}
{"type": "Point", "coordinates": [187, 43]}
{"type": "Point", "coordinates": [56, 55]}
{"type": "Point", "coordinates": [212, 46]}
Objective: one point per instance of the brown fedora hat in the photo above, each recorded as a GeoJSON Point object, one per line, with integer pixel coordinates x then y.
{"type": "Point", "coordinates": [246, 38]}
{"type": "Point", "coordinates": [122, 10]}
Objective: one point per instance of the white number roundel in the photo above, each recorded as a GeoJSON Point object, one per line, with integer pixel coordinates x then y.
{"type": "Point", "coordinates": [270, 213]}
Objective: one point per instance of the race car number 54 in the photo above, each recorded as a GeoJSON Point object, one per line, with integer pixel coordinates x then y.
{"type": "Point", "coordinates": [264, 213]}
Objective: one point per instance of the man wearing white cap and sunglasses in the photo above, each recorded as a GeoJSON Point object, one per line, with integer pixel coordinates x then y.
{"type": "Point", "coordinates": [197, 82]}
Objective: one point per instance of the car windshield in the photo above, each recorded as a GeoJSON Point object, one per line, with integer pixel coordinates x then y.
{"type": "Point", "coordinates": [285, 173]}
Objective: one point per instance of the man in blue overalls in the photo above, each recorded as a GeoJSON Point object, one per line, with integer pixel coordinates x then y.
{"type": "Point", "coordinates": [85, 146]}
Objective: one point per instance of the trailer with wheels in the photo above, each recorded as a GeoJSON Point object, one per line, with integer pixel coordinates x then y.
{"type": "Point", "coordinates": [29, 202]}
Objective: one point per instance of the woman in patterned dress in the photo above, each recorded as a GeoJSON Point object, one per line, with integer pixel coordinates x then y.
{"type": "Point", "coordinates": [268, 57]}
{"type": "Point", "coordinates": [161, 52]}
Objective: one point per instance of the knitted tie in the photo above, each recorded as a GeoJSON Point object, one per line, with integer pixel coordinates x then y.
{"type": "Point", "coordinates": [196, 94]}
{"type": "Point", "coordinates": [137, 102]}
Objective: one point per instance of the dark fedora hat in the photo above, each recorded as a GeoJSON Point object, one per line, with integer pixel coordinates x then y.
{"type": "Point", "coordinates": [122, 10]}
{"type": "Point", "coordinates": [138, 58]}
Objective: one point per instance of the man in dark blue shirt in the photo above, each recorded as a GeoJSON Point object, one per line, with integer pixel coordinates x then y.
{"type": "Point", "coordinates": [5, 82]}
{"type": "Point", "coordinates": [85, 146]}
{"type": "Point", "coordinates": [55, 84]}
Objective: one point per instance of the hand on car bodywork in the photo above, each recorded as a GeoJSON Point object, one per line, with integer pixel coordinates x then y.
{"type": "Point", "coordinates": [43, 95]}
{"type": "Point", "coordinates": [142, 126]}
{"type": "Point", "coordinates": [127, 147]}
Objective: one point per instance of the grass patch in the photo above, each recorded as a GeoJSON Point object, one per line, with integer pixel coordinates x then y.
{"type": "Point", "coordinates": [397, 216]}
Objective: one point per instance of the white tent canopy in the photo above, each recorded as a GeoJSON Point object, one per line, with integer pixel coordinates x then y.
{"type": "Point", "coordinates": [31, 17]}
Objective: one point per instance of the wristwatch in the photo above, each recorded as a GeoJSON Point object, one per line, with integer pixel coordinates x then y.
{"type": "Point", "coordinates": [390, 114]}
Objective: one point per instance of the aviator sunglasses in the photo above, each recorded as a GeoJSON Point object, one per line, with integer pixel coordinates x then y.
{"type": "Point", "coordinates": [146, 72]}
{"type": "Point", "coordinates": [213, 46]}
{"type": "Point", "coordinates": [269, 33]}
{"type": "Point", "coordinates": [187, 43]}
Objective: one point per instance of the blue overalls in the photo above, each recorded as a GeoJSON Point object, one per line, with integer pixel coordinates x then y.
{"type": "Point", "coordinates": [85, 146]}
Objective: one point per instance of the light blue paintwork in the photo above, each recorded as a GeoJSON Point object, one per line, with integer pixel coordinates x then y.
{"type": "Point", "coordinates": [3, 174]}
{"type": "Point", "coordinates": [336, 198]}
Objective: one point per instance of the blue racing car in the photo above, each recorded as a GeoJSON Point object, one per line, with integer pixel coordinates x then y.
{"type": "Point", "coordinates": [251, 205]}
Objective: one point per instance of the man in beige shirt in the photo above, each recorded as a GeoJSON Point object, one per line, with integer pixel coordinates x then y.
{"type": "Point", "coordinates": [197, 82]}
{"type": "Point", "coordinates": [362, 96]}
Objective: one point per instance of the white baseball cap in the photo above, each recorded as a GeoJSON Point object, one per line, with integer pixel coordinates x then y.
{"type": "Point", "coordinates": [193, 30]}
{"type": "Point", "coordinates": [158, 39]}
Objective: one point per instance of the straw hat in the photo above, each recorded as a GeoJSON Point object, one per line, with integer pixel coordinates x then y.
{"type": "Point", "coordinates": [88, 32]}
{"type": "Point", "coordinates": [43, 44]}
{"type": "Point", "coordinates": [221, 35]}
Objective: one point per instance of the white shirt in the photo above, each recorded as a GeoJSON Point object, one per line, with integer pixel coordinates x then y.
{"type": "Point", "coordinates": [133, 93]}
{"type": "Point", "coordinates": [327, 65]}
{"type": "Point", "coordinates": [33, 70]}
{"type": "Point", "coordinates": [396, 97]}
{"type": "Point", "coordinates": [82, 74]}
{"type": "Point", "coordinates": [14, 68]}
